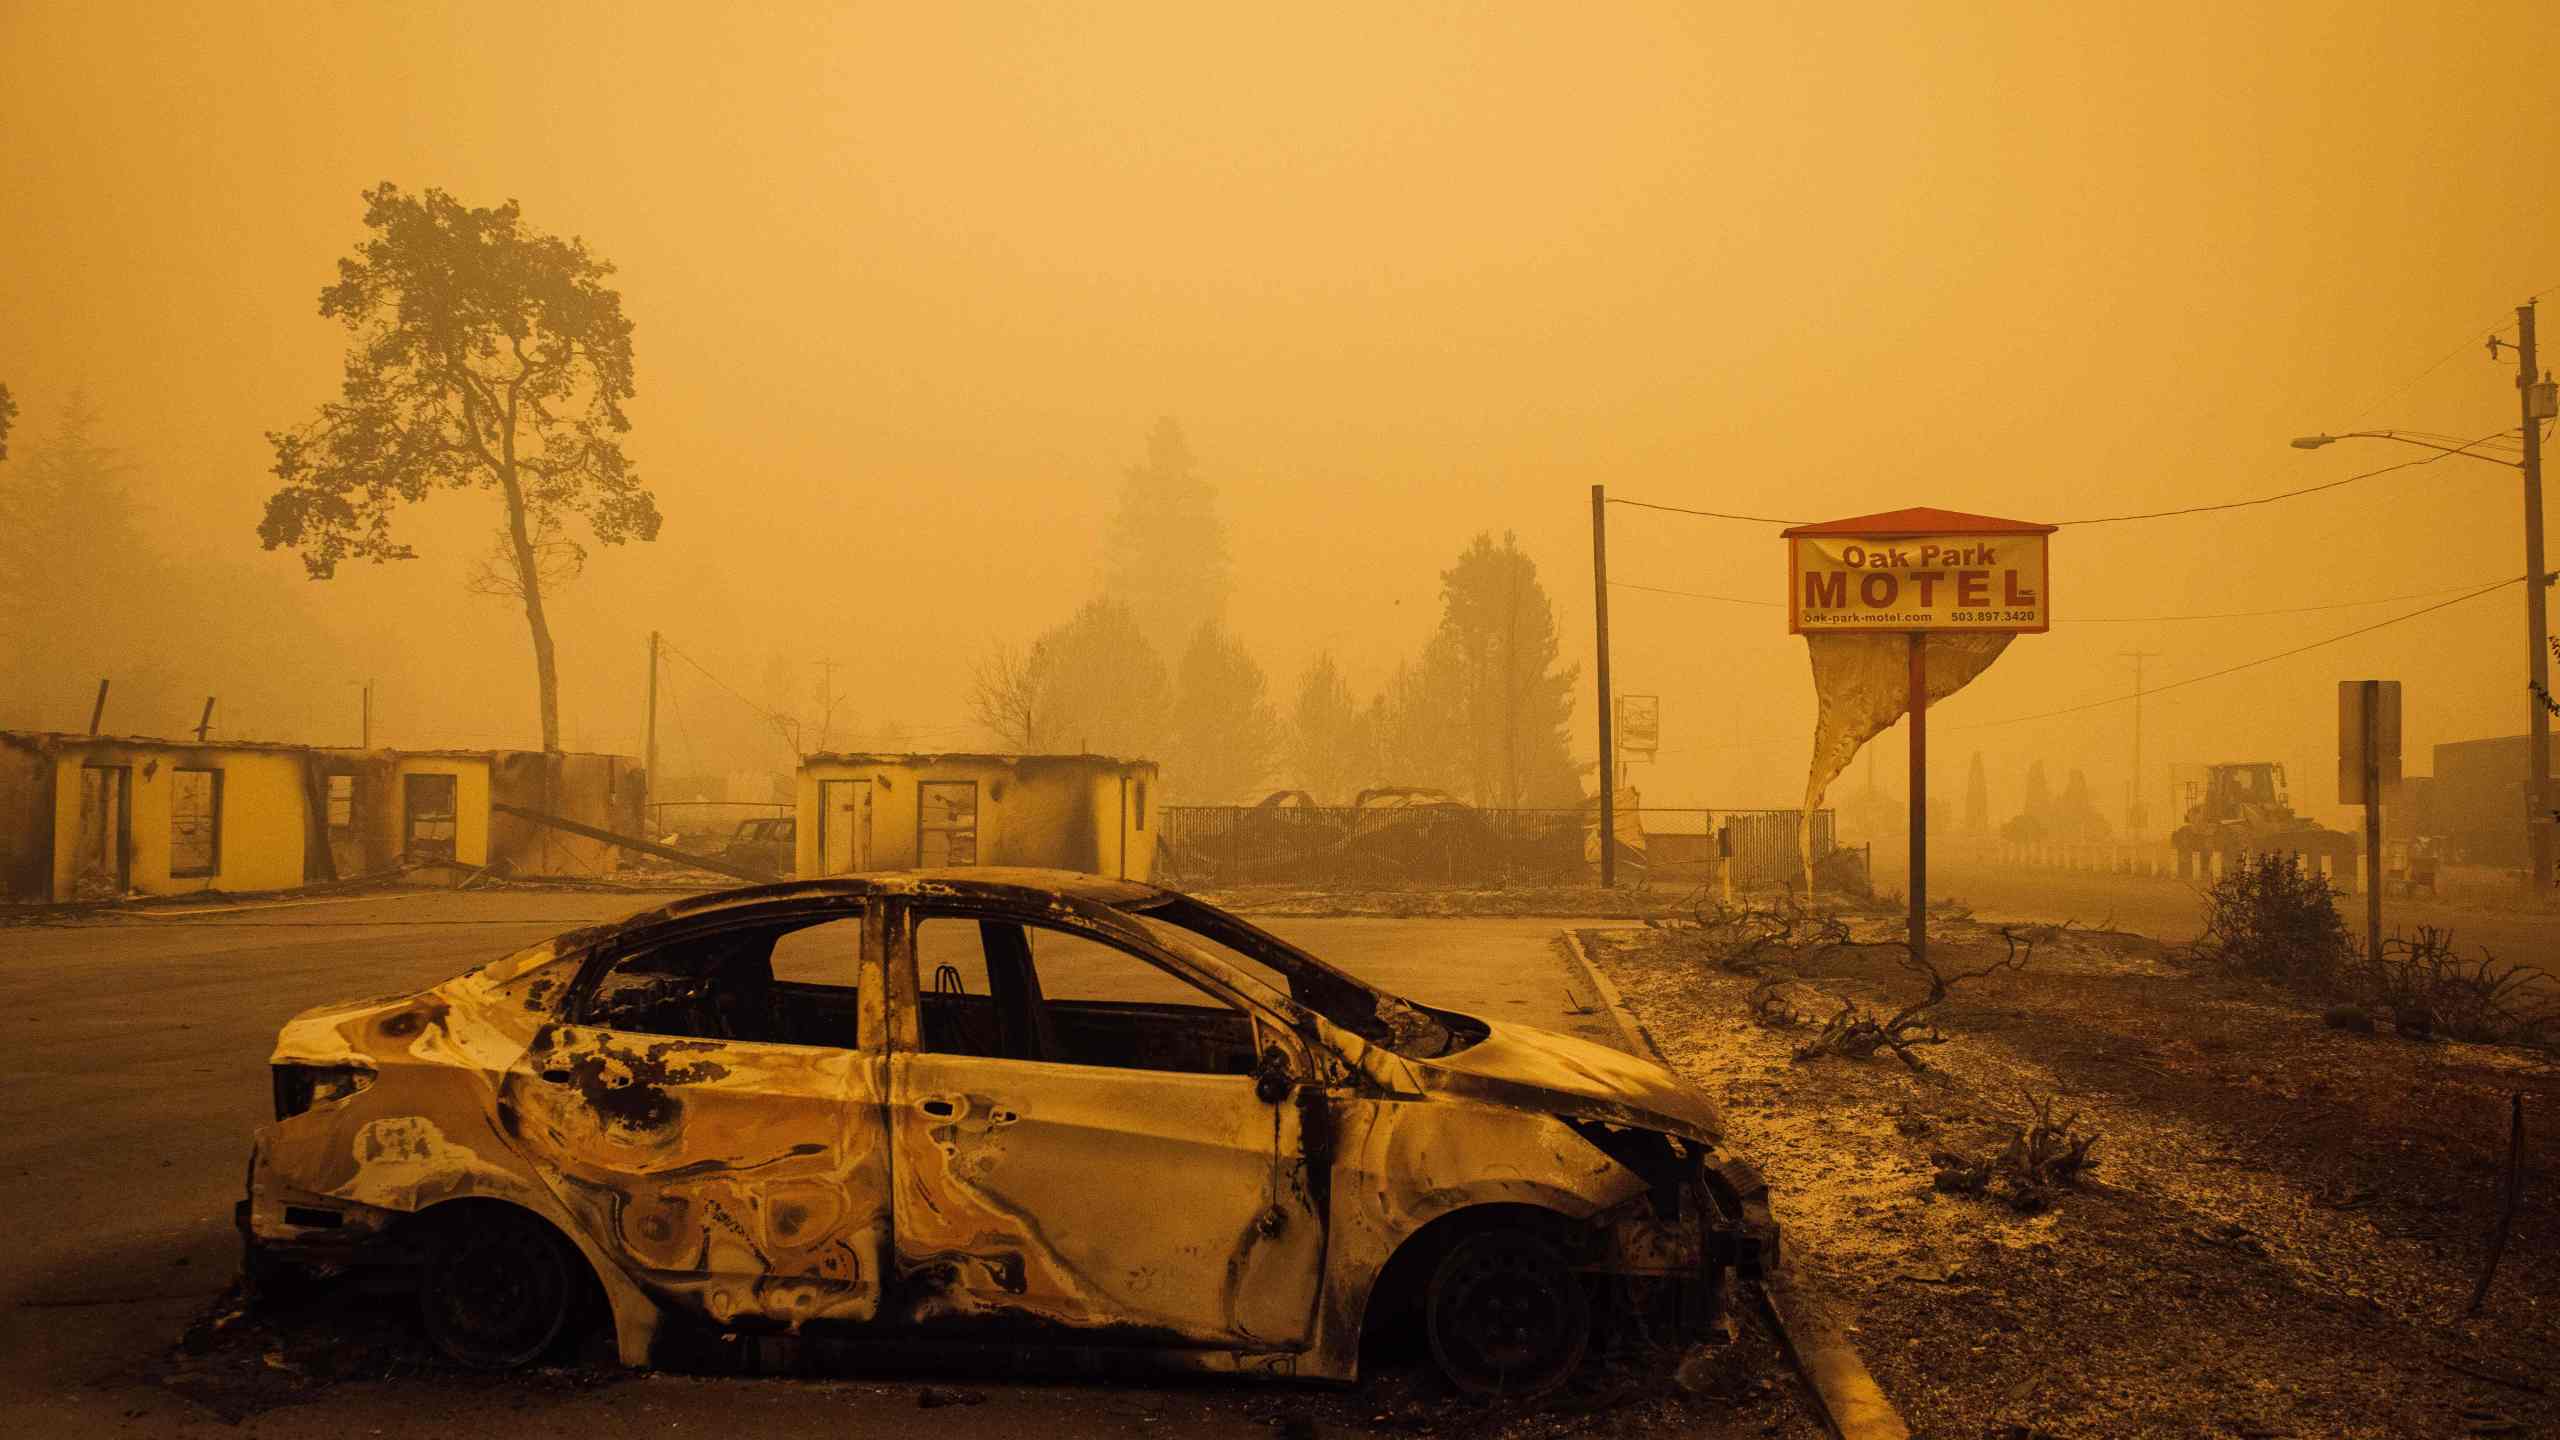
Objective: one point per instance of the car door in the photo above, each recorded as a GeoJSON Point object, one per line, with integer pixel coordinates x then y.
{"type": "Point", "coordinates": [1131, 1196]}
{"type": "Point", "coordinates": [718, 1128]}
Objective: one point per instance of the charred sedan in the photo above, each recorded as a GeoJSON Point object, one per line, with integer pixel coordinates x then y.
{"type": "Point", "coordinates": [990, 1105]}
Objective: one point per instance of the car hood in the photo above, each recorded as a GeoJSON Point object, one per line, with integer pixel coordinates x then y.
{"type": "Point", "coordinates": [1533, 1069]}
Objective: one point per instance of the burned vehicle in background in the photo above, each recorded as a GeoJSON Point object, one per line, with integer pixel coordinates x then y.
{"type": "Point", "coordinates": [767, 843]}
{"type": "Point", "coordinates": [991, 1105]}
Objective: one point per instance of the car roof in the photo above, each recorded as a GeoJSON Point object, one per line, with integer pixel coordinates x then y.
{"type": "Point", "coordinates": [987, 882]}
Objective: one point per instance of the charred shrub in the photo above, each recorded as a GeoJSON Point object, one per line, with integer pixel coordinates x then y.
{"type": "Point", "coordinates": [2430, 988]}
{"type": "Point", "coordinates": [2271, 919]}
{"type": "Point", "coordinates": [2043, 1156]}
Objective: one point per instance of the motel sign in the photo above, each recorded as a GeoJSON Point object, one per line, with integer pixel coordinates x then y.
{"type": "Point", "coordinates": [1918, 570]}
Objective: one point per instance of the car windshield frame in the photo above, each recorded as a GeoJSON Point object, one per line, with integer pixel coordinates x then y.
{"type": "Point", "coordinates": [1376, 1015]}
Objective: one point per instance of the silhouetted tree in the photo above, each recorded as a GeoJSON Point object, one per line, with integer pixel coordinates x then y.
{"type": "Point", "coordinates": [1096, 685]}
{"type": "Point", "coordinates": [1324, 733]}
{"type": "Point", "coordinates": [1418, 724]}
{"type": "Point", "coordinates": [1496, 619]}
{"type": "Point", "coordinates": [2077, 817]}
{"type": "Point", "coordinates": [2039, 801]}
{"type": "Point", "coordinates": [77, 570]}
{"type": "Point", "coordinates": [487, 355]}
{"type": "Point", "coordinates": [1977, 799]}
{"type": "Point", "coordinates": [1165, 554]}
{"type": "Point", "coordinates": [1224, 735]}
{"type": "Point", "coordinates": [8, 417]}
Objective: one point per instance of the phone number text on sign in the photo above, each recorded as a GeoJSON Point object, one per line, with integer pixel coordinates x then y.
{"type": "Point", "coordinates": [1952, 582]}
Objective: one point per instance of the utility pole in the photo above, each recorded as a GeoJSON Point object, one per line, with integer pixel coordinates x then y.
{"type": "Point", "coordinates": [1919, 922]}
{"type": "Point", "coordinates": [649, 760]}
{"type": "Point", "coordinates": [2537, 795]}
{"type": "Point", "coordinates": [98, 711]}
{"type": "Point", "coordinates": [368, 713]}
{"type": "Point", "coordinates": [204, 722]}
{"type": "Point", "coordinates": [1608, 737]}
{"type": "Point", "coordinates": [2134, 817]}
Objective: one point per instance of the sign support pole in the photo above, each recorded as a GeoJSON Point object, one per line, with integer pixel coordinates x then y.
{"type": "Point", "coordinates": [1919, 797]}
{"type": "Point", "coordinates": [2373, 819]}
{"type": "Point", "coordinates": [1608, 747]}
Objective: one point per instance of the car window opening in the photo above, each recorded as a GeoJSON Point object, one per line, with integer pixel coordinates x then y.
{"type": "Point", "coordinates": [1419, 1031]}
{"type": "Point", "coordinates": [1003, 990]}
{"type": "Point", "coordinates": [789, 982]}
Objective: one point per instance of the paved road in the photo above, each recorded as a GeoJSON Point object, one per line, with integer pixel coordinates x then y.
{"type": "Point", "coordinates": [133, 1065]}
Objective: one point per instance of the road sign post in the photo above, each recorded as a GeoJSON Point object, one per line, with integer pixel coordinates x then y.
{"type": "Point", "coordinates": [2368, 763]}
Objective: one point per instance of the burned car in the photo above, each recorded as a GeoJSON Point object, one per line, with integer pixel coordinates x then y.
{"type": "Point", "coordinates": [765, 844]}
{"type": "Point", "coordinates": [990, 1105]}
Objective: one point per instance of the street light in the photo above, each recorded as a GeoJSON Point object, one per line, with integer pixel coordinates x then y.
{"type": "Point", "coordinates": [2539, 403]}
{"type": "Point", "coordinates": [2314, 442]}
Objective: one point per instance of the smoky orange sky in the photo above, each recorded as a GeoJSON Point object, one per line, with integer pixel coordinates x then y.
{"type": "Point", "coordinates": [911, 283]}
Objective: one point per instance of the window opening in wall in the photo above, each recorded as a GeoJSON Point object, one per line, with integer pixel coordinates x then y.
{"type": "Point", "coordinates": [430, 825]}
{"type": "Point", "coordinates": [342, 803]}
{"type": "Point", "coordinates": [947, 823]}
{"type": "Point", "coordinates": [195, 822]}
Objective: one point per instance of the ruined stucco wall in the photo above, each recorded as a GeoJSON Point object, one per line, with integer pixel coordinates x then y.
{"type": "Point", "coordinates": [1055, 811]}
{"type": "Point", "coordinates": [260, 830]}
{"type": "Point", "coordinates": [582, 787]}
{"type": "Point", "coordinates": [26, 820]}
{"type": "Point", "coordinates": [587, 788]}
{"type": "Point", "coordinates": [1129, 826]}
{"type": "Point", "coordinates": [370, 842]}
{"type": "Point", "coordinates": [1045, 807]}
{"type": "Point", "coordinates": [1121, 806]}
{"type": "Point", "coordinates": [893, 810]}
{"type": "Point", "coordinates": [471, 800]}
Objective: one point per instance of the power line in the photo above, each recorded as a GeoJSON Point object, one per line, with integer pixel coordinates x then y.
{"type": "Point", "coordinates": [2438, 363]}
{"type": "Point", "coordinates": [1710, 514]}
{"type": "Point", "coordinates": [2245, 664]}
{"type": "Point", "coordinates": [2283, 495]}
{"type": "Point", "coordinates": [1695, 594]}
{"type": "Point", "coordinates": [2467, 448]}
{"type": "Point", "coordinates": [2253, 614]}
{"type": "Point", "coordinates": [2498, 323]}
{"type": "Point", "coordinates": [716, 680]}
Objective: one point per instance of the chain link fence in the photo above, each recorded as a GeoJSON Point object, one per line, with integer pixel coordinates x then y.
{"type": "Point", "coordinates": [1447, 844]}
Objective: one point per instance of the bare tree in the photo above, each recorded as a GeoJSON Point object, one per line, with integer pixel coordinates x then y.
{"type": "Point", "coordinates": [1004, 695]}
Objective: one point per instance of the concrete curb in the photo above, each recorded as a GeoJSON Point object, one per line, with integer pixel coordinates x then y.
{"type": "Point", "coordinates": [1852, 1404]}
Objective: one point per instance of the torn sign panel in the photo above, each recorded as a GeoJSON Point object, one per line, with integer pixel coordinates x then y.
{"type": "Point", "coordinates": [1862, 684]}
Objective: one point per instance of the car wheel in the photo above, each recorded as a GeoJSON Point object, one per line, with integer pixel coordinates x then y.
{"type": "Point", "coordinates": [497, 1289]}
{"type": "Point", "coordinates": [1506, 1316]}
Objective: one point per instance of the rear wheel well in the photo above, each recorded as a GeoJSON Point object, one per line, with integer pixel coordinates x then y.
{"type": "Point", "coordinates": [593, 1316]}
{"type": "Point", "coordinates": [1390, 1323]}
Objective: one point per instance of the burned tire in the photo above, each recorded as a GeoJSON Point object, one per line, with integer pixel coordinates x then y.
{"type": "Point", "coordinates": [1506, 1316]}
{"type": "Point", "coordinates": [497, 1288]}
